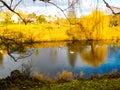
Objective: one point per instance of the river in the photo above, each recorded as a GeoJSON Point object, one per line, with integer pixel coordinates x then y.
{"type": "Point", "coordinates": [88, 57]}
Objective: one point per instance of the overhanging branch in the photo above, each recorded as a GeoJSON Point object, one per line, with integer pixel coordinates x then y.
{"type": "Point", "coordinates": [12, 10]}
{"type": "Point", "coordinates": [108, 6]}
{"type": "Point", "coordinates": [17, 4]}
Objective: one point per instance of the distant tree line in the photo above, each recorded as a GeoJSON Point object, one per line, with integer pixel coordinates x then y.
{"type": "Point", "coordinates": [71, 3]}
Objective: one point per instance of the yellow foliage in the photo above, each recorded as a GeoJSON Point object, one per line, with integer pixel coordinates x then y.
{"type": "Point", "coordinates": [2, 15]}
{"type": "Point", "coordinates": [96, 23]}
{"type": "Point", "coordinates": [92, 26]}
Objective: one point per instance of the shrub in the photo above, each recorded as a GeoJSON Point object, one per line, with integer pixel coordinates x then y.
{"type": "Point", "coordinates": [64, 76]}
{"type": "Point", "coordinates": [38, 76]}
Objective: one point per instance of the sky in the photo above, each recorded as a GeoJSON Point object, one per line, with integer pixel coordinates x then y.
{"type": "Point", "coordinates": [83, 7]}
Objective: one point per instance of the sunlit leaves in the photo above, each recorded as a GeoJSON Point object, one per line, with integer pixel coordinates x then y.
{"type": "Point", "coordinates": [97, 21]}
{"type": "Point", "coordinates": [92, 26]}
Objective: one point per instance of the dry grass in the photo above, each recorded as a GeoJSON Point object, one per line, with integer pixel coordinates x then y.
{"type": "Point", "coordinates": [64, 76]}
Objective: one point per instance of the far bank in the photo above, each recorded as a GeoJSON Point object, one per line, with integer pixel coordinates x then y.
{"type": "Point", "coordinates": [48, 32]}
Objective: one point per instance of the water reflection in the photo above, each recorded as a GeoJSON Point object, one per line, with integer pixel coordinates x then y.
{"type": "Point", "coordinates": [1, 60]}
{"type": "Point", "coordinates": [37, 52]}
{"type": "Point", "coordinates": [112, 50]}
{"type": "Point", "coordinates": [95, 55]}
{"type": "Point", "coordinates": [72, 56]}
{"type": "Point", "coordinates": [16, 50]}
{"type": "Point", "coordinates": [83, 56]}
{"type": "Point", "coordinates": [74, 49]}
{"type": "Point", "coordinates": [90, 53]}
{"type": "Point", "coordinates": [54, 54]}
{"type": "Point", "coordinates": [1, 57]}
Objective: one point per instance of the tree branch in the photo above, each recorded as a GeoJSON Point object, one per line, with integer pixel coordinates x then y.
{"type": "Point", "coordinates": [11, 3]}
{"type": "Point", "coordinates": [108, 6]}
{"type": "Point", "coordinates": [17, 4]}
{"type": "Point", "coordinates": [1, 7]}
{"type": "Point", "coordinates": [12, 10]}
{"type": "Point", "coordinates": [60, 10]}
{"type": "Point", "coordinates": [72, 4]}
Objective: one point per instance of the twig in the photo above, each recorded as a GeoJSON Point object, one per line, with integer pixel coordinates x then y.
{"type": "Point", "coordinates": [12, 10]}
{"type": "Point", "coordinates": [107, 5]}
{"type": "Point", "coordinates": [60, 10]}
{"type": "Point", "coordinates": [17, 4]}
{"type": "Point", "coordinates": [11, 3]}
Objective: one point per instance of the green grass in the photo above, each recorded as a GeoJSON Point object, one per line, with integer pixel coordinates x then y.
{"type": "Point", "coordinates": [102, 84]}
{"type": "Point", "coordinates": [21, 81]}
{"type": "Point", "coordinates": [97, 84]}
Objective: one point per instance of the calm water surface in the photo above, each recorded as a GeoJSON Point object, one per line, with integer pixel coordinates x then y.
{"type": "Point", "coordinates": [88, 58]}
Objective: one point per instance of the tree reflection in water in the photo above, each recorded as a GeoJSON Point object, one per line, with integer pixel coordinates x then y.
{"type": "Point", "coordinates": [91, 53]}
{"type": "Point", "coordinates": [73, 50]}
{"type": "Point", "coordinates": [1, 58]}
{"type": "Point", "coordinates": [54, 54]}
{"type": "Point", "coordinates": [20, 55]}
{"type": "Point", "coordinates": [37, 52]}
{"type": "Point", "coordinates": [15, 49]}
{"type": "Point", "coordinates": [95, 56]}
{"type": "Point", "coordinates": [72, 57]}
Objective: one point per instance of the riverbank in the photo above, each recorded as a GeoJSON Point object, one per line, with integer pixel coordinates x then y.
{"type": "Point", "coordinates": [35, 32]}
{"type": "Point", "coordinates": [104, 84]}
{"type": "Point", "coordinates": [51, 32]}
{"type": "Point", "coordinates": [21, 81]}
{"type": "Point", "coordinates": [95, 26]}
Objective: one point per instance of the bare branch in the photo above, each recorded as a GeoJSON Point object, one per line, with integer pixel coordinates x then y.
{"type": "Point", "coordinates": [17, 4]}
{"type": "Point", "coordinates": [45, 1]}
{"type": "Point", "coordinates": [115, 7]}
{"type": "Point", "coordinates": [60, 10]}
{"type": "Point", "coordinates": [12, 10]}
{"type": "Point", "coordinates": [110, 7]}
{"type": "Point", "coordinates": [17, 58]}
{"type": "Point", "coordinates": [1, 7]}
{"type": "Point", "coordinates": [11, 3]}
{"type": "Point", "coordinates": [72, 4]}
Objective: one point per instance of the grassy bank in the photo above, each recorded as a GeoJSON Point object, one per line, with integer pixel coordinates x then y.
{"type": "Point", "coordinates": [103, 84]}
{"type": "Point", "coordinates": [21, 81]}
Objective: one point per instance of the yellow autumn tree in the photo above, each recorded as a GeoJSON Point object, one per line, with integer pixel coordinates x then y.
{"type": "Point", "coordinates": [96, 24]}
{"type": "Point", "coordinates": [92, 26]}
